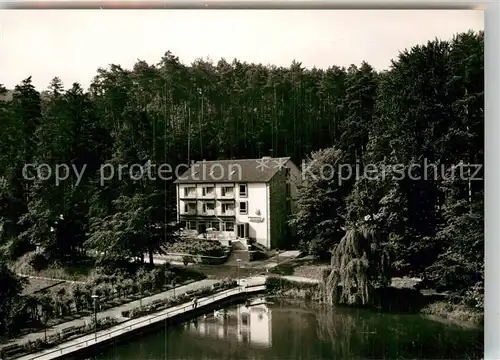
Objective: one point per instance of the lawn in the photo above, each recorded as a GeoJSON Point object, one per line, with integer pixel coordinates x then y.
{"type": "Point", "coordinates": [304, 267]}
{"type": "Point", "coordinates": [35, 285]}
{"type": "Point", "coordinates": [77, 272]}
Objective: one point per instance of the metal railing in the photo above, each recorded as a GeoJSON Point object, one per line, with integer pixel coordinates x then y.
{"type": "Point", "coordinates": [181, 255]}
{"type": "Point", "coordinates": [138, 323]}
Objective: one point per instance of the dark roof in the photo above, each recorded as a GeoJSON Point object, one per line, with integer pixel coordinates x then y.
{"type": "Point", "coordinates": [232, 171]}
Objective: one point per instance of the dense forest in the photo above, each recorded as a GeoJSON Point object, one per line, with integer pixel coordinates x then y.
{"type": "Point", "coordinates": [427, 108]}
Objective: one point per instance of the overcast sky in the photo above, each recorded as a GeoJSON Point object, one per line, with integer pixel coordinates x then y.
{"type": "Point", "coordinates": [72, 44]}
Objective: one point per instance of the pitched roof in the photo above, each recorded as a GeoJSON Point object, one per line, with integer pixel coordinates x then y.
{"type": "Point", "coordinates": [231, 171]}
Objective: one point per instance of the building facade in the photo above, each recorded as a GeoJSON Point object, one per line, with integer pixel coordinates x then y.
{"type": "Point", "coordinates": [240, 199]}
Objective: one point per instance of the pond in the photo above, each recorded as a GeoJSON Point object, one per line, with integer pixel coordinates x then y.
{"type": "Point", "coordinates": [294, 330]}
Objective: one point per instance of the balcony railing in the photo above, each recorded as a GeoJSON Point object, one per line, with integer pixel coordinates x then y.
{"type": "Point", "coordinates": [188, 212]}
{"type": "Point", "coordinates": [188, 195]}
{"type": "Point", "coordinates": [227, 195]}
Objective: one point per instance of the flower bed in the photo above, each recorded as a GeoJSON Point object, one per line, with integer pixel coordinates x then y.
{"type": "Point", "coordinates": [163, 304]}
{"type": "Point", "coordinates": [201, 247]}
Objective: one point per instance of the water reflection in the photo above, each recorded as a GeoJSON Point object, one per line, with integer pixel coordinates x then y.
{"type": "Point", "coordinates": [264, 330]}
{"type": "Point", "coordinates": [248, 324]}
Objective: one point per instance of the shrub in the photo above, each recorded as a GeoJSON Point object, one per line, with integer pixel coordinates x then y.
{"type": "Point", "coordinates": [38, 261]}
{"type": "Point", "coordinates": [474, 296]}
{"type": "Point", "coordinates": [307, 291]}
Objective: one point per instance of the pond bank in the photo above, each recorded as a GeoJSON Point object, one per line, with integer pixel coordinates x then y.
{"type": "Point", "coordinates": [456, 313]}
{"type": "Point", "coordinates": [293, 329]}
{"type": "Point", "coordinates": [390, 299]}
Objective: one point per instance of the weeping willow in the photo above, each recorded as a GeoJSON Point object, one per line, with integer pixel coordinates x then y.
{"type": "Point", "coordinates": [360, 262]}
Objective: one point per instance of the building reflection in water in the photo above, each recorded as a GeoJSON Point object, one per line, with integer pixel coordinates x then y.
{"type": "Point", "coordinates": [248, 324]}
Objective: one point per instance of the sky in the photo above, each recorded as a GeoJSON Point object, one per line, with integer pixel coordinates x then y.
{"type": "Point", "coordinates": [73, 44]}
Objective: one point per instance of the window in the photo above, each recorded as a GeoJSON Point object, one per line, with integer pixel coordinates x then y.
{"type": "Point", "coordinates": [243, 190]}
{"type": "Point", "coordinates": [244, 319]}
{"type": "Point", "coordinates": [208, 207]}
{"type": "Point", "coordinates": [287, 189]}
{"type": "Point", "coordinates": [188, 191]}
{"type": "Point", "coordinates": [183, 224]}
{"type": "Point", "coordinates": [229, 226]}
{"type": "Point", "coordinates": [227, 191]}
{"type": "Point", "coordinates": [192, 225]}
{"type": "Point", "coordinates": [227, 208]}
{"type": "Point", "coordinates": [243, 207]}
{"type": "Point", "coordinates": [208, 190]}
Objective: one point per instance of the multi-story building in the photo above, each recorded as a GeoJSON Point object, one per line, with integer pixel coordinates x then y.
{"type": "Point", "coordinates": [240, 199]}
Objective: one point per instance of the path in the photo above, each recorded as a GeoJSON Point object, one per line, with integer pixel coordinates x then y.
{"type": "Point", "coordinates": [134, 324]}
{"type": "Point", "coordinates": [301, 279]}
{"type": "Point", "coordinates": [115, 312]}
{"type": "Point", "coordinates": [49, 279]}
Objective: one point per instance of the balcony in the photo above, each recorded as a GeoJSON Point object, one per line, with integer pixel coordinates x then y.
{"type": "Point", "coordinates": [189, 194]}
{"type": "Point", "coordinates": [208, 196]}
{"type": "Point", "coordinates": [207, 212]}
{"type": "Point", "coordinates": [230, 212]}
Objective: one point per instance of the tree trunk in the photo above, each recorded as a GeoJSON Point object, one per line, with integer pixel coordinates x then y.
{"type": "Point", "coordinates": [150, 251]}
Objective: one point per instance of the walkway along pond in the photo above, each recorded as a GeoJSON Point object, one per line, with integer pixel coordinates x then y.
{"type": "Point", "coordinates": [71, 348]}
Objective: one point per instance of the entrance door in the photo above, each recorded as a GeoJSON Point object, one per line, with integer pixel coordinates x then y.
{"type": "Point", "coordinates": [242, 230]}
{"type": "Point", "coordinates": [202, 228]}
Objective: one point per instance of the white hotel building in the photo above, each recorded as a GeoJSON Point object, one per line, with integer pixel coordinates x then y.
{"type": "Point", "coordinates": [249, 199]}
